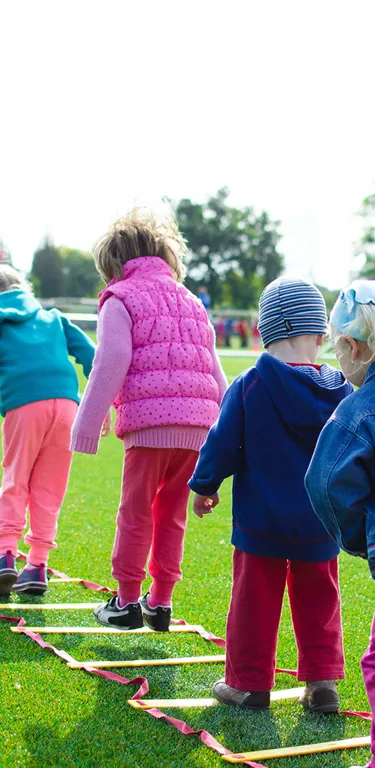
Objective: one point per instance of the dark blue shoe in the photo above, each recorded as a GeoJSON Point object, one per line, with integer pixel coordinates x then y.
{"type": "Point", "coordinates": [8, 573]}
{"type": "Point", "coordinates": [32, 581]}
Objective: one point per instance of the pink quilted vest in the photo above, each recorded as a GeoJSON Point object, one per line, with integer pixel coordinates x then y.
{"type": "Point", "coordinates": [170, 379]}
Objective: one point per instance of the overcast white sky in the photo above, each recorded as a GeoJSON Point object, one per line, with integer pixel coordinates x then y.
{"type": "Point", "coordinates": [104, 104]}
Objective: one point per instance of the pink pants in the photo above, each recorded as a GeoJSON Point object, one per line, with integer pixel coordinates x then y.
{"type": "Point", "coordinates": [152, 515]}
{"type": "Point", "coordinates": [254, 616]}
{"type": "Point", "coordinates": [368, 669]}
{"type": "Point", "coordinates": [36, 464]}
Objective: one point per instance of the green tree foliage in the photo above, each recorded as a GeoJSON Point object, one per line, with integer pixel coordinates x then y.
{"type": "Point", "coordinates": [366, 245]}
{"type": "Point", "coordinates": [330, 297]}
{"type": "Point", "coordinates": [232, 251]}
{"type": "Point", "coordinates": [47, 270]}
{"type": "Point", "coordinates": [80, 275]}
{"type": "Point", "coordinates": [63, 272]}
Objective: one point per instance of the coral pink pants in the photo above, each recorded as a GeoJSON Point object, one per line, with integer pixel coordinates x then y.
{"type": "Point", "coordinates": [152, 516]}
{"type": "Point", "coordinates": [368, 669]}
{"type": "Point", "coordinates": [254, 616]}
{"type": "Point", "coordinates": [36, 464]}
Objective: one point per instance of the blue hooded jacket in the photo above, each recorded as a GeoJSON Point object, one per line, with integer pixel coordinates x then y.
{"type": "Point", "coordinates": [341, 477]}
{"type": "Point", "coordinates": [269, 422]}
{"type": "Point", "coordinates": [34, 349]}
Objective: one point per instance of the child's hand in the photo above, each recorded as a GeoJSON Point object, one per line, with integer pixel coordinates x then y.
{"type": "Point", "coordinates": [106, 428]}
{"type": "Point", "coordinates": [203, 505]}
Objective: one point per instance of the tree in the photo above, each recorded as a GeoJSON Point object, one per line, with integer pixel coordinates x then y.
{"type": "Point", "coordinates": [80, 275]}
{"type": "Point", "coordinates": [47, 270]}
{"type": "Point", "coordinates": [232, 251]}
{"type": "Point", "coordinates": [330, 297]}
{"type": "Point", "coordinates": [366, 245]}
{"type": "Point", "coordinates": [63, 272]}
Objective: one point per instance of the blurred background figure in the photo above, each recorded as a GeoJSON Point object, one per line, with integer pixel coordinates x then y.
{"type": "Point", "coordinates": [228, 332]}
{"type": "Point", "coordinates": [243, 332]}
{"type": "Point", "coordinates": [220, 332]}
{"type": "Point", "coordinates": [204, 297]}
{"type": "Point", "coordinates": [256, 336]}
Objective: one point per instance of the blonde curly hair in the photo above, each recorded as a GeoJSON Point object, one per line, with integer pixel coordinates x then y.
{"type": "Point", "coordinates": [11, 280]}
{"type": "Point", "coordinates": [140, 233]}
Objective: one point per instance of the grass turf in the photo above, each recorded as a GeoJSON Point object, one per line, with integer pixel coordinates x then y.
{"type": "Point", "coordinates": [53, 716]}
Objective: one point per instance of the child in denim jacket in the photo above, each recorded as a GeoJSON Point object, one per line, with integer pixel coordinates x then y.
{"type": "Point", "coordinates": [341, 477]}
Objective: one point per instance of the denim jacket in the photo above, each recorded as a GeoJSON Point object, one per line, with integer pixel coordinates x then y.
{"type": "Point", "coordinates": [340, 480]}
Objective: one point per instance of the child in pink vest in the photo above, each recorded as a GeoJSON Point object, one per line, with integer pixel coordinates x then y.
{"type": "Point", "coordinates": [156, 362]}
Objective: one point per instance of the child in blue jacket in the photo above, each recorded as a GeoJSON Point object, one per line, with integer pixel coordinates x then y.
{"type": "Point", "coordinates": [341, 477]}
{"type": "Point", "coordinates": [265, 436]}
{"type": "Point", "coordinates": [39, 401]}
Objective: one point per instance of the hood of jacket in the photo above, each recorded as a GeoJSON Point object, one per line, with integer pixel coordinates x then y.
{"type": "Point", "coordinates": [304, 402]}
{"type": "Point", "coordinates": [17, 306]}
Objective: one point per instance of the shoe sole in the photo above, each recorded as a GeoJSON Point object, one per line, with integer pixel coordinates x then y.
{"type": "Point", "coordinates": [242, 706]}
{"type": "Point", "coordinates": [30, 589]}
{"type": "Point", "coordinates": [154, 625]}
{"type": "Point", "coordinates": [323, 709]}
{"type": "Point", "coordinates": [7, 580]}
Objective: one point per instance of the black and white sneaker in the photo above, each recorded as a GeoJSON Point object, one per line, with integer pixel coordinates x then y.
{"type": "Point", "coordinates": [158, 618]}
{"type": "Point", "coordinates": [8, 573]}
{"type": "Point", "coordinates": [32, 580]}
{"type": "Point", "coordinates": [110, 615]}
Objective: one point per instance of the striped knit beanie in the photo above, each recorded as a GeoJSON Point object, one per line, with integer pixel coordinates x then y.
{"type": "Point", "coordinates": [289, 308]}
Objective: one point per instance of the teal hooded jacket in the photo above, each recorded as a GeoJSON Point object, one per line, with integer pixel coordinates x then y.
{"type": "Point", "coordinates": [35, 345]}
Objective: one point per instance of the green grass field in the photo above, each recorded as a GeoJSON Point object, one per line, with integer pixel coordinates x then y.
{"type": "Point", "coordinates": [53, 716]}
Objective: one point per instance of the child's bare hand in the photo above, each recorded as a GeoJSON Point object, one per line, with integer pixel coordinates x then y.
{"type": "Point", "coordinates": [106, 428]}
{"type": "Point", "coordinates": [203, 505]}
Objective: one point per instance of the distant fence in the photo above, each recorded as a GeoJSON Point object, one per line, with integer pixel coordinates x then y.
{"type": "Point", "coordinates": [65, 302]}
{"type": "Point", "coordinates": [83, 319]}
{"type": "Point", "coordinates": [89, 322]}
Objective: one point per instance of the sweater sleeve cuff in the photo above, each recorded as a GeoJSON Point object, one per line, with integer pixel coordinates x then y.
{"type": "Point", "coordinates": [84, 444]}
{"type": "Point", "coordinates": [201, 489]}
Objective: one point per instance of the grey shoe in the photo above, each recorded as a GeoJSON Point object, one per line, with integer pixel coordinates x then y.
{"type": "Point", "coordinates": [256, 700]}
{"type": "Point", "coordinates": [321, 696]}
{"type": "Point", "coordinates": [110, 615]}
{"type": "Point", "coordinates": [8, 573]}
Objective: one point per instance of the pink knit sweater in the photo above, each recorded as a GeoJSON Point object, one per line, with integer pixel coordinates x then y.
{"type": "Point", "coordinates": [111, 364]}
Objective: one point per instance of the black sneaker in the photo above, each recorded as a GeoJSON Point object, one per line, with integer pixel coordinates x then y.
{"type": "Point", "coordinates": [158, 618]}
{"type": "Point", "coordinates": [32, 581]}
{"type": "Point", "coordinates": [110, 615]}
{"type": "Point", "coordinates": [8, 573]}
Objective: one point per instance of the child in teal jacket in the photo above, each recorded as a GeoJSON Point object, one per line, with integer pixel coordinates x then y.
{"type": "Point", "coordinates": [39, 400]}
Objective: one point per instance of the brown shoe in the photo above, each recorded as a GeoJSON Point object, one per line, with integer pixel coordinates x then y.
{"type": "Point", "coordinates": [256, 700]}
{"type": "Point", "coordinates": [321, 696]}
